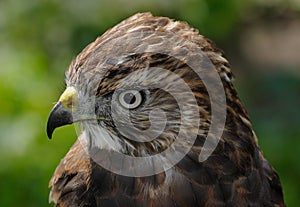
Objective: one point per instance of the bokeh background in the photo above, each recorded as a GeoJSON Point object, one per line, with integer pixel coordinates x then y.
{"type": "Point", "coordinates": [39, 38]}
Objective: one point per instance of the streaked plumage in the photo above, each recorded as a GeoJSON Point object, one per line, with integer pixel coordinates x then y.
{"type": "Point", "coordinates": [236, 174]}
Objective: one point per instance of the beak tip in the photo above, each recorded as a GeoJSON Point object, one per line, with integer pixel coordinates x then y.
{"type": "Point", "coordinates": [49, 134]}
{"type": "Point", "coordinates": [49, 130]}
{"type": "Point", "coordinates": [59, 116]}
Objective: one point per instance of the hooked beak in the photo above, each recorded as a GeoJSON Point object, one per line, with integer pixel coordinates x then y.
{"type": "Point", "coordinates": [61, 114]}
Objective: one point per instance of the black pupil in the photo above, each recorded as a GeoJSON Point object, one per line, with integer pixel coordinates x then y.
{"type": "Point", "coordinates": [129, 98]}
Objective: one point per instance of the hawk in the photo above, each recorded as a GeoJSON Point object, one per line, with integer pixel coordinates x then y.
{"type": "Point", "coordinates": [159, 123]}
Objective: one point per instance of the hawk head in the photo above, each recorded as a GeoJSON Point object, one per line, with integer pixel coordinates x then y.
{"type": "Point", "coordinates": [141, 84]}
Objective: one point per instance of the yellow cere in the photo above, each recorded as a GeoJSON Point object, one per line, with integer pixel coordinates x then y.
{"type": "Point", "coordinates": [68, 97]}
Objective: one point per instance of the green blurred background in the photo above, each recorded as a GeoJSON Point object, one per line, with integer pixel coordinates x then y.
{"type": "Point", "coordinates": [39, 38]}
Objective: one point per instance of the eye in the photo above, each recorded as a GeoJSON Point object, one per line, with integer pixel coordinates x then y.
{"type": "Point", "coordinates": [130, 99]}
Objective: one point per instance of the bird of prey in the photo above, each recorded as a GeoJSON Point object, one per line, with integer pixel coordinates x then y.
{"type": "Point", "coordinates": [154, 127]}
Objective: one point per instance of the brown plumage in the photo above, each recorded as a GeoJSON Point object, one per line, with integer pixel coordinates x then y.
{"type": "Point", "coordinates": [235, 174]}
